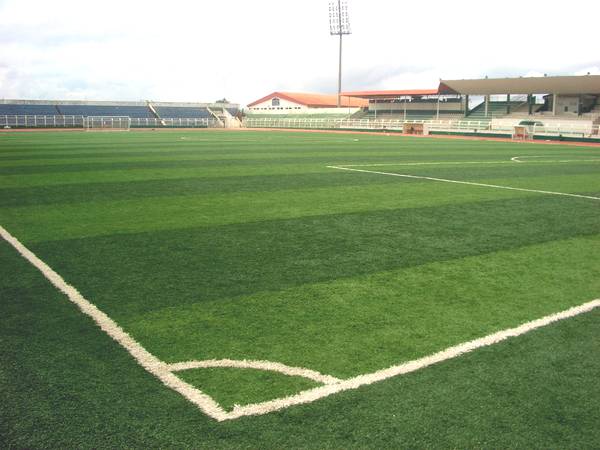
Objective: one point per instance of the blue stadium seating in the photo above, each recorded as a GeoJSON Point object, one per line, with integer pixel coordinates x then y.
{"type": "Point", "coordinates": [182, 112]}
{"type": "Point", "coordinates": [142, 112]}
{"type": "Point", "coordinates": [93, 110]}
{"type": "Point", "coordinates": [28, 110]}
{"type": "Point", "coordinates": [75, 110]}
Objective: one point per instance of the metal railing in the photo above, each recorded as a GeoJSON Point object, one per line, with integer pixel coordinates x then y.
{"type": "Point", "coordinates": [554, 129]}
{"type": "Point", "coordinates": [23, 121]}
{"type": "Point", "coordinates": [550, 129]}
{"type": "Point", "coordinates": [363, 124]}
{"type": "Point", "coordinates": [176, 123]}
{"type": "Point", "coordinates": [42, 121]}
{"type": "Point", "coordinates": [463, 126]}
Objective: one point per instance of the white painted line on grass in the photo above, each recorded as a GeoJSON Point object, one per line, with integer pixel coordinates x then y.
{"type": "Point", "coordinates": [408, 367]}
{"type": "Point", "coordinates": [260, 365]}
{"type": "Point", "coordinates": [520, 158]}
{"type": "Point", "coordinates": [470, 183]}
{"type": "Point", "coordinates": [332, 385]}
{"type": "Point", "coordinates": [148, 361]}
{"type": "Point", "coordinates": [439, 163]}
{"type": "Point", "coordinates": [514, 159]}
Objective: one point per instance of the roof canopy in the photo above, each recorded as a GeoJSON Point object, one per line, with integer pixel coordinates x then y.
{"type": "Point", "coordinates": [313, 100]}
{"type": "Point", "coordinates": [391, 94]}
{"type": "Point", "coordinates": [567, 85]}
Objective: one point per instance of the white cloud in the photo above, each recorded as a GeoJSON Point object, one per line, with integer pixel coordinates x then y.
{"type": "Point", "coordinates": [190, 50]}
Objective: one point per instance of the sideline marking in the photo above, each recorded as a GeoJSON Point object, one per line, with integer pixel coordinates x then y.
{"type": "Point", "coordinates": [470, 183]}
{"type": "Point", "coordinates": [514, 159]}
{"type": "Point", "coordinates": [311, 395]}
{"type": "Point", "coordinates": [519, 158]}
{"type": "Point", "coordinates": [164, 372]}
{"type": "Point", "coordinates": [448, 163]}
{"type": "Point", "coordinates": [144, 358]}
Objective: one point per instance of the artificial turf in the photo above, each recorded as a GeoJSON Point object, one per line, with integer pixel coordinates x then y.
{"type": "Point", "coordinates": [246, 245]}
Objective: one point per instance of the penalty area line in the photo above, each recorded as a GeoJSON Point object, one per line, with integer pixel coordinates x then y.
{"type": "Point", "coordinates": [469, 183]}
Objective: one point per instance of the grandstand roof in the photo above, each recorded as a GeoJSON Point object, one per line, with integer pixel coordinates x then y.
{"type": "Point", "coordinates": [313, 100]}
{"type": "Point", "coordinates": [391, 94]}
{"type": "Point", "coordinates": [574, 85]}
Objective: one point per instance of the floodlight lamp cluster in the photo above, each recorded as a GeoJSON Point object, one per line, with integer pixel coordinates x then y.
{"type": "Point", "coordinates": [339, 21]}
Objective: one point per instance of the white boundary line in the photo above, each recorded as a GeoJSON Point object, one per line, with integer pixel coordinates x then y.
{"type": "Point", "coordinates": [460, 163]}
{"type": "Point", "coordinates": [332, 385]}
{"type": "Point", "coordinates": [440, 163]}
{"type": "Point", "coordinates": [519, 158]}
{"type": "Point", "coordinates": [470, 183]}
{"type": "Point", "coordinates": [410, 366]}
{"type": "Point", "coordinates": [144, 358]}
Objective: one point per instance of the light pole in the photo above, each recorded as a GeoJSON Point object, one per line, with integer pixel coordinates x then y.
{"type": "Point", "coordinates": [339, 25]}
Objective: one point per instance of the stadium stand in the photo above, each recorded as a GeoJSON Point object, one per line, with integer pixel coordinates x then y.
{"type": "Point", "coordinates": [300, 116]}
{"type": "Point", "coordinates": [233, 111]}
{"type": "Point", "coordinates": [495, 109]}
{"type": "Point", "coordinates": [361, 114]}
{"type": "Point", "coordinates": [134, 110]}
{"type": "Point", "coordinates": [141, 112]}
{"type": "Point", "coordinates": [28, 110]}
{"type": "Point", "coordinates": [523, 108]}
{"type": "Point", "coordinates": [596, 111]}
{"type": "Point", "coordinates": [175, 112]}
{"type": "Point", "coordinates": [412, 115]}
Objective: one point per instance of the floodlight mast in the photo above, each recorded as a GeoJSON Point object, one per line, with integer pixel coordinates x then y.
{"type": "Point", "coordinates": [339, 25]}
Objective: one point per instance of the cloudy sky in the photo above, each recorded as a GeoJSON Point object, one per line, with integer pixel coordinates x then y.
{"type": "Point", "coordinates": [182, 50]}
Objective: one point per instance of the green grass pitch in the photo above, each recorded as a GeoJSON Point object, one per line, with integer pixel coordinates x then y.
{"type": "Point", "coordinates": [249, 245]}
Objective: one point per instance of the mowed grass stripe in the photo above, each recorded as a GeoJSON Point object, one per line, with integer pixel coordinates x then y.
{"type": "Point", "coordinates": [51, 222]}
{"type": "Point", "coordinates": [91, 192]}
{"type": "Point", "coordinates": [186, 145]}
{"type": "Point", "coordinates": [57, 147]}
{"type": "Point", "coordinates": [108, 176]}
{"type": "Point", "coordinates": [380, 148]}
{"type": "Point", "coordinates": [104, 192]}
{"type": "Point", "coordinates": [199, 159]}
{"type": "Point", "coordinates": [576, 178]}
{"type": "Point", "coordinates": [203, 264]}
{"type": "Point", "coordinates": [48, 222]}
{"type": "Point", "coordinates": [220, 154]}
{"type": "Point", "coordinates": [296, 301]}
{"type": "Point", "coordinates": [524, 170]}
{"type": "Point", "coordinates": [490, 171]}
{"type": "Point", "coordinates": [539, 390]}
{"type": "Point", "coordinates": [172, 164]}
{"type": "Point", "coordinates": [348, 326]}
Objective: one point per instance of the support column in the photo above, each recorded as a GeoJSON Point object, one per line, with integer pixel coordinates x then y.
{"type": "Point", "coordinates": [487, 104]}
{"type": "Point", "coordinates": [466, 98]}
{"type": "Point", "coordinates": [554, 103]}
{"type": "Point", "coordinates": [530, 103]}
{"type": "Point", "coordinates": [507, 103]}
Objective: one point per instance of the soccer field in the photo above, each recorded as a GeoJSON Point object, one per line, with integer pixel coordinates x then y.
{"type": "Point", "coordinates": [284, 289]}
